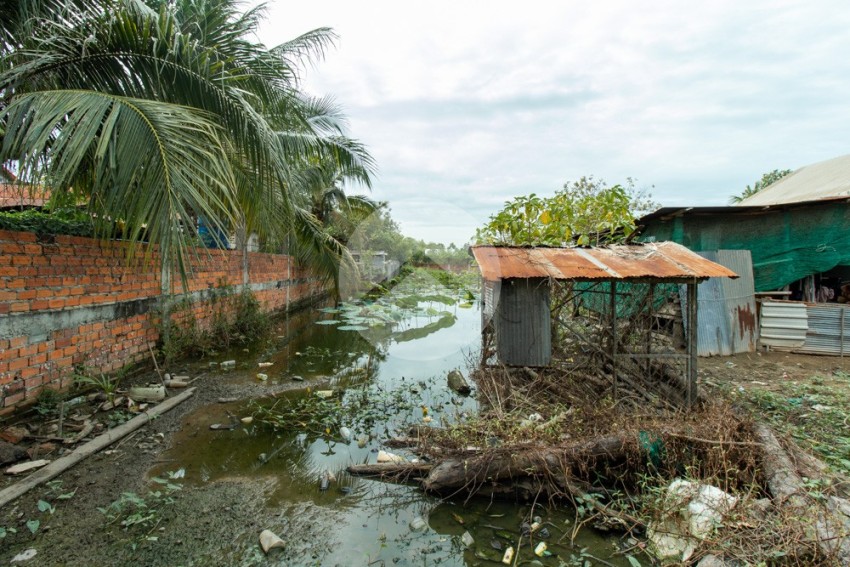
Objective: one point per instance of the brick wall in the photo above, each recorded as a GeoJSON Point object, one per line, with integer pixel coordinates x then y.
{"type": "Point", "coordinates": [68, 301]}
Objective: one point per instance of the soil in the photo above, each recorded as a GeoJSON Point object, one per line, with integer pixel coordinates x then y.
{"type": "Point", "coordinates": [219, 523]}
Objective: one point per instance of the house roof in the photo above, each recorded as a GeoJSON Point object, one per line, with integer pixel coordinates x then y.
{"type": "Point", "coordinates": [667, 213]}
{"type": "Point", "coordinates": [822, 180]}
{"type": "Point", "coordinates": [15, 196]}
{"type": "Point", "coordinates": [657, 261]}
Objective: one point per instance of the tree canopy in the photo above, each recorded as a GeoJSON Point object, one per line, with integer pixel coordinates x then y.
{"type": "Point", "coordinates": [767, 179]}
{"type": "Point", "coordinates": [156, 112]}
{"type": "Point", "coordinates": [584, 212]}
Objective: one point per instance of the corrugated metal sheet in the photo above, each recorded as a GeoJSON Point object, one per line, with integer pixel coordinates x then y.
{"type": "Point", "coordinates": [523, 323]}
{"type": "Point", "coordinates": [828, 330]}
{"type": "Point", "coordinates": [783, 324]}
{"type": "Point", "coordinates": [822, 180]}
{"type": "Point", "coordinates": [726, 308]}
{"type": "Point", "coordinates": [659, 261]}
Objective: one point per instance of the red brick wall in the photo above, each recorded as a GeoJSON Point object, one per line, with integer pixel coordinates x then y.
{"type": "Point", "coordinates": [67, 301]}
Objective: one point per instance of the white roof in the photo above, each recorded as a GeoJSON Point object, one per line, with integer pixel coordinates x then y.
{"type": "Point", "coordinates": [822, 180]}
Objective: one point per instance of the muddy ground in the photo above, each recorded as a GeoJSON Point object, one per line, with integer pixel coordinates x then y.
{"type": "Point", "coordinates": [218, 524]}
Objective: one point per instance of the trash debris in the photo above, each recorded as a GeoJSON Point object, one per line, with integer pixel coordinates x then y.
{"type": "Point", "coordinates": [10, 453]}
{"type": "Point", "coordinates": [13, 434]}
{"type": "Point", "coordinates": [387, 457]}
{"type": "Point", "coordinates": [458, 383]}
{"type": "Point", "coordinates": [228, 365]}
{"type": "Point", "coordinates": [24, 556]}
{"type": "Point", "coordinates": [26, 467]}
{"type": "Point", "coordinates": [118, 401]}
{"type": "Point", "coordinates": [324, 393]}
{"type": "Point", "coordinates": [222, 426]}
{"type": "Point", "coordinates": [297, 379]}
{"type": "Point", "coordinates": [264, 364]}
{"type": "Point", "coordinates": [262, 377]}
{"type": "Point", "coordinates": [695, 511]}
{"type": "Point", "coordinates": [417, 524]}
{"type": "Point", "coordinates": [248, 420]}
{"type": "Point", "coordinates": [147, 393]}
{"type": "Point", "coordinates": [508, 558]}
{"type": "Point", "coordinates": [540, 549]}
{"type": "Point", "coordinates": [269, 540]}
{"type": "Point", "coordinates": [213, 365]}
{"type": "Point", "coordinates": [175, 383]}
{"type": "Point", "coordinates": [345, 433]}
{"type": "Point", "coordinates": [467, 539]}
{"type": "Point", "coordinates": [362, 440]}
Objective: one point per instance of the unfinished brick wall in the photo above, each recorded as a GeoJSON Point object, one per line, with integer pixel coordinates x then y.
{"type": "Point", "coordinates": [68, 301]}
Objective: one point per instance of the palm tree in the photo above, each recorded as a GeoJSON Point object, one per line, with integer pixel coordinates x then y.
{"type": "Point", "coordinates": [160, 111]}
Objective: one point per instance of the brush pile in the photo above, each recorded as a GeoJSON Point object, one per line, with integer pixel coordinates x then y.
{"type": "Point", "coordinates": [547, 435]}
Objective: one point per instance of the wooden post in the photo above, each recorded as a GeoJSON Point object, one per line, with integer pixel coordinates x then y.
{"type": "Point", "coordinates": [614, 337]}
{"type": "Point", "coordinates": [692, 343]}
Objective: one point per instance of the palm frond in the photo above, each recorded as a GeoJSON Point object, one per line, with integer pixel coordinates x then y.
{"type": "Point", "coordinates": [153, 165]}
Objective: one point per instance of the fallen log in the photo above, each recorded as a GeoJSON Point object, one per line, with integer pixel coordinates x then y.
{"type": "Point", "coordinates": [509, 463]}
{"type": "Point", "coordinates": [393, 470]}
{"type": "Point", "coordinates": [831, 520]}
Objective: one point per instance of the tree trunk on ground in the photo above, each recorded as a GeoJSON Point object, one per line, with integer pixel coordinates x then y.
{"type": "Point", "coordinates": [831, 521]}
{"type": "Point", "coordinates": [495, 465]}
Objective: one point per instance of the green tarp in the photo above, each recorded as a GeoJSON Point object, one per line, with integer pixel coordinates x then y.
{"type": "Point", "coordinates": [787, 244]}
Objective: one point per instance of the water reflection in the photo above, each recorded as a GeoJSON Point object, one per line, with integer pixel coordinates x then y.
{"type": "Point", "coordinates": [357, 521]}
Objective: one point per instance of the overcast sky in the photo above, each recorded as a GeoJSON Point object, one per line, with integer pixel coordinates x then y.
{"type": "Point", "coordinates": [467, 104]}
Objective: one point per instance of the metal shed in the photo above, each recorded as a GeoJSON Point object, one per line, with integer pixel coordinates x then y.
{"type": "Point", "coordinates": [517, 299]}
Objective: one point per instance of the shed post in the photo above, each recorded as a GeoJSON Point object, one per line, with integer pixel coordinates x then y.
{"type": "Point", "coordinates": [614, 338]}
{"type": "Point", "coordinates": [692, 342]}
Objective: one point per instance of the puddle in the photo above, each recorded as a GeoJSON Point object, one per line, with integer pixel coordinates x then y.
{"type": "Point", "coordinates": [388, 375]}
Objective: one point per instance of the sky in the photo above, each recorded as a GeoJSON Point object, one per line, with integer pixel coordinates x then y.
{"type": "Point", "coordinates": [465, 105]}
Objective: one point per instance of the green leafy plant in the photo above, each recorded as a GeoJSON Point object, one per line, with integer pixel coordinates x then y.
{"type": "Point", "coordinates": [74, 223]}
{"type": "Point", "coordinates": [47, 402]}
{"type": "Point", "coordinates": [105, 384]}
{"type": "Point", "coordinates": [132, 510]}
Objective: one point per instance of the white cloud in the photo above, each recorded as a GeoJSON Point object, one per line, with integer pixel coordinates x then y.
{"type": "Point", "coordinates": [474, 102]}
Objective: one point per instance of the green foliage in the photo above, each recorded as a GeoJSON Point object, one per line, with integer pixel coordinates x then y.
{"type": "Point", "coordinates": [767, 179]}
{"type": "Point", "coordinates": [132, 510]}
{"type": "Point", "coordinates": [813, 413]}
{"type": "Point", "coordinates": [237, 318]}
{"type": "Point", "coordinates": [47, 402]}
{"type": "Point", "coordinates": [106, 384]}
{"type": "Point", "coordinates": [154, 113]}
{"type": "Point", "coordinates": [586, 212]}
{"type": "Point", "coordinates": [73, 224]}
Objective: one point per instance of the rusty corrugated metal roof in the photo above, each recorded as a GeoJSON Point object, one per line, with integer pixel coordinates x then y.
{"type": "Point", "coordinates": [13, 196]}
{"type": "Point", "coordinates": [659, 261]}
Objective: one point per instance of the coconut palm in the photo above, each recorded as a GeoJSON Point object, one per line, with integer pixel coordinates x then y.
{"type": "Point", "coordinates": [159, 111]}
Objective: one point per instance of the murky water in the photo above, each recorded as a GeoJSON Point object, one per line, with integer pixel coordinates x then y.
{"type": "Point", "coordinates": [359, 521]}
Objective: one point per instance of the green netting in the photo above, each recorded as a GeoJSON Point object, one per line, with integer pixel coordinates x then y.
{"type": "Point", "coordinates": [630, 299]}
{"type": "Point", "coordinates": [786, 245]}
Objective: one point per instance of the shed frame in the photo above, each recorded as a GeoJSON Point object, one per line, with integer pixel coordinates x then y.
{"type": "Point", "coordinates": [605, 322]}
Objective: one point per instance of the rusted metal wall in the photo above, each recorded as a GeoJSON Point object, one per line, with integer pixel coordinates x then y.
{"type": "Point", "coordinates": [523, 323]}
{"type": "Point", "coordinates": [726, 308]}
